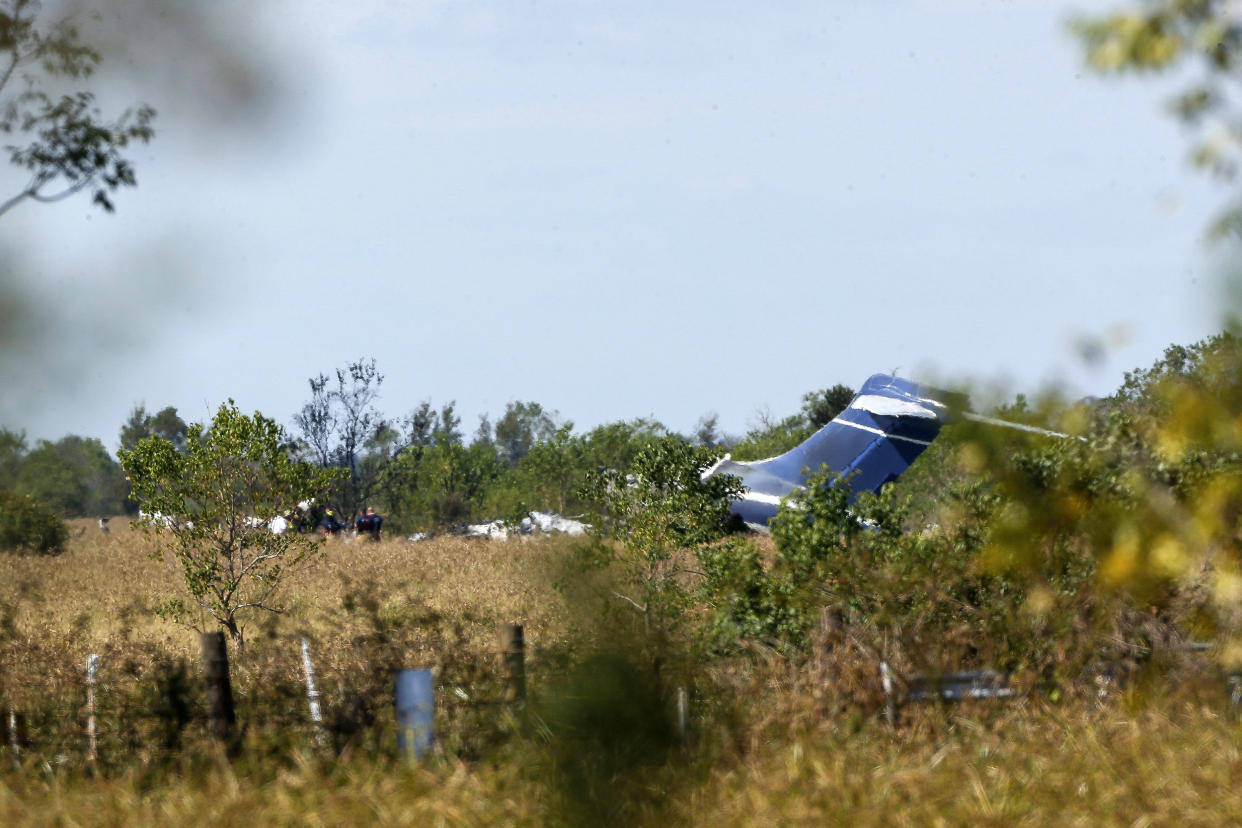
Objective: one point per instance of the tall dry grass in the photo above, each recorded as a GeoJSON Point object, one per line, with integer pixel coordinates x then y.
{"type": "Point", "coordinates": [99, 594]}
{"type": "Point", "coordinates": [367, 608]}
{"type": "Point", "coordinates": [1031, 765]}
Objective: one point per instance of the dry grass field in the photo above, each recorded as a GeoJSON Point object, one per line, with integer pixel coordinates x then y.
{"type": "Point", "coordinates": [99, 592]}
{"type": "Point", "coordinates": [767, 748]}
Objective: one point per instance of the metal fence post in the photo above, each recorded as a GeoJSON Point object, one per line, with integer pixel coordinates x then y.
{"type": "Point", "coordinates": [92, 746]}
{"type": "Point", "coordinates": [312, 695]}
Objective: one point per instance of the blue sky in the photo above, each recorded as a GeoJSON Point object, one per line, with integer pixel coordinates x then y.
{"type": "Point", "coordinates": [626, 209]}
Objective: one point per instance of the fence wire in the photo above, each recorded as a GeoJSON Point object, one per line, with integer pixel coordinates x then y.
{"type": "Point", "coordinates": [150, 707]}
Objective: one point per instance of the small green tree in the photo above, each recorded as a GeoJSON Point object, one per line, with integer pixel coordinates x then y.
{"type": "Point", "coordinates": [434, 486]}
{"type": "Point", "coordinates": [770, 437]}
{"type": "Point", "coordinates": [613, 445]}
{"type": "Point", "coordinates": [659, 506]}
{"type": "Point", "coordinates": [820, 407]}
{"type": "Point", "coordinates": [210, 507]}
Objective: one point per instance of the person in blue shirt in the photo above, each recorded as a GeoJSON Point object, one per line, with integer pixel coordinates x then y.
{"type": "Point", "coordinates": [369, 523]}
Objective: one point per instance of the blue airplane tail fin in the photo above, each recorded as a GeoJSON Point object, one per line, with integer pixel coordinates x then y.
{"type": "Point", "coordinates": [885, 427]}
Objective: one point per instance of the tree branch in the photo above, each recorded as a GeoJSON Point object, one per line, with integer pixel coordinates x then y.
{"type": "Point", "coordinates": [257, 559]}
{"type": "Point", "coordinates": [637, 606]}
{"type": "Point", "coordinates": [14, 201]}
{"type": "Point", "coordinates": [259, 605]}
{"type": "Point", "coordinates": [76, 187]}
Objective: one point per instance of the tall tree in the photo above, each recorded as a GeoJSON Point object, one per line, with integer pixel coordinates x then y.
{"type": "Point", "coordinates": [317, 422]}
{"type": "Point", "coordinates": [337, 424]}
{"type": "Point", "coordinates": [707, 431]}
{"type": "Point", "coordinates": [523, 425]}
{"type": "Point", "coordinates": [165, 424]}
{"type": "Point", "coordinates": [356, 391]}
{"type": "Point", "coordinates": [483, 434]}
{"type": "Point", "coordinates": [430, 427]}
{"type": "Point", "coordinates": [12, 451]}
{"type": "Point", "coordinates": [819, 407]}
{"type": "Point", "coordinates": [75, 476]}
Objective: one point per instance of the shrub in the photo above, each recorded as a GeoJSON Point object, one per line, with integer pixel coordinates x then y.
{"type": "Point", "coordinates": [661, 505]}
{"type": "Point", "coordinates": [27, 528]}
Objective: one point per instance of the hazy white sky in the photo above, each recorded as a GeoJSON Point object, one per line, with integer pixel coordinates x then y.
{"type": "Point", "coordinates": [626, 209]}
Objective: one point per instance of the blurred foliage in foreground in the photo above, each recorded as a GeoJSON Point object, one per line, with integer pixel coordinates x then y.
{"type": "Point", "coordinates": [1112, 546]}
{"type": "Point", "coordinates": [1203, 38]}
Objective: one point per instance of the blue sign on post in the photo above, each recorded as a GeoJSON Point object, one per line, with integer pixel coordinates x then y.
{"type": "Point", "coordinates": [416, 710]}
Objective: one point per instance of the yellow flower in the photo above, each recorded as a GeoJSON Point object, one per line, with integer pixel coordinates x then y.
{"type": "Point", "coordinates": [971, 458]}
{"type": "Point", "coordinates": [1039, 603]}
{"type": "Point", "coordinates": [1123, 559]}
{"type": "Point", "coordinates": [1169, 557]}
{"type": "Point", "coordinates": [1227, 588]}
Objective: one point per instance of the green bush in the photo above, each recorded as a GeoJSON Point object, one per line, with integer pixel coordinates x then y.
{"type": "Point", "coordinates": [27, 528]}
{"type": "Point", "coordinates": [659, 506]}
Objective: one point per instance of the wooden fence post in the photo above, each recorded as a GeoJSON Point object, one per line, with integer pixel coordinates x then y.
{"type": "Point", "coordinates": [513, 662]}
{"type": "Point", "coordinates": [416, 711]}
{"type": "Point", "coordinates": [223, 720]}
{"type": "Point", "coordinates": [92, 746]}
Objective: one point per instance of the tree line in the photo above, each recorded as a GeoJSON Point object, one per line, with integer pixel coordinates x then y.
{"type": "Point", "coordinates": [420, 469]}
{"type": "Point", "coordinates": [426, 475]}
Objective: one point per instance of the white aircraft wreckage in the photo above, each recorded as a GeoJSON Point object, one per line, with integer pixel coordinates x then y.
{"type": "Point", "coordinates": [533, 524]}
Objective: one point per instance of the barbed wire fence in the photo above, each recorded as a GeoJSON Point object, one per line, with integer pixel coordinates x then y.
{"type": "Point", "coordinates": [137, 705]}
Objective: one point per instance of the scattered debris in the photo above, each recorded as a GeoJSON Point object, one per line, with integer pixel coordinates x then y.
{"type": "Point", "coordinates": [534, 523]}
{"type": "Point", "coordinates": [492, 530]}
{"type": "Point", "coordinates": [548, 522]}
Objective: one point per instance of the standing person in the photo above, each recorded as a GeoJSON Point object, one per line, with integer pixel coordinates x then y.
{"type": "Point", "coordinates": [374, 522]}
{"type": "Point", "coordinates": [362, 525]}
{"type": "Point", "coordinates": [329, 525]}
